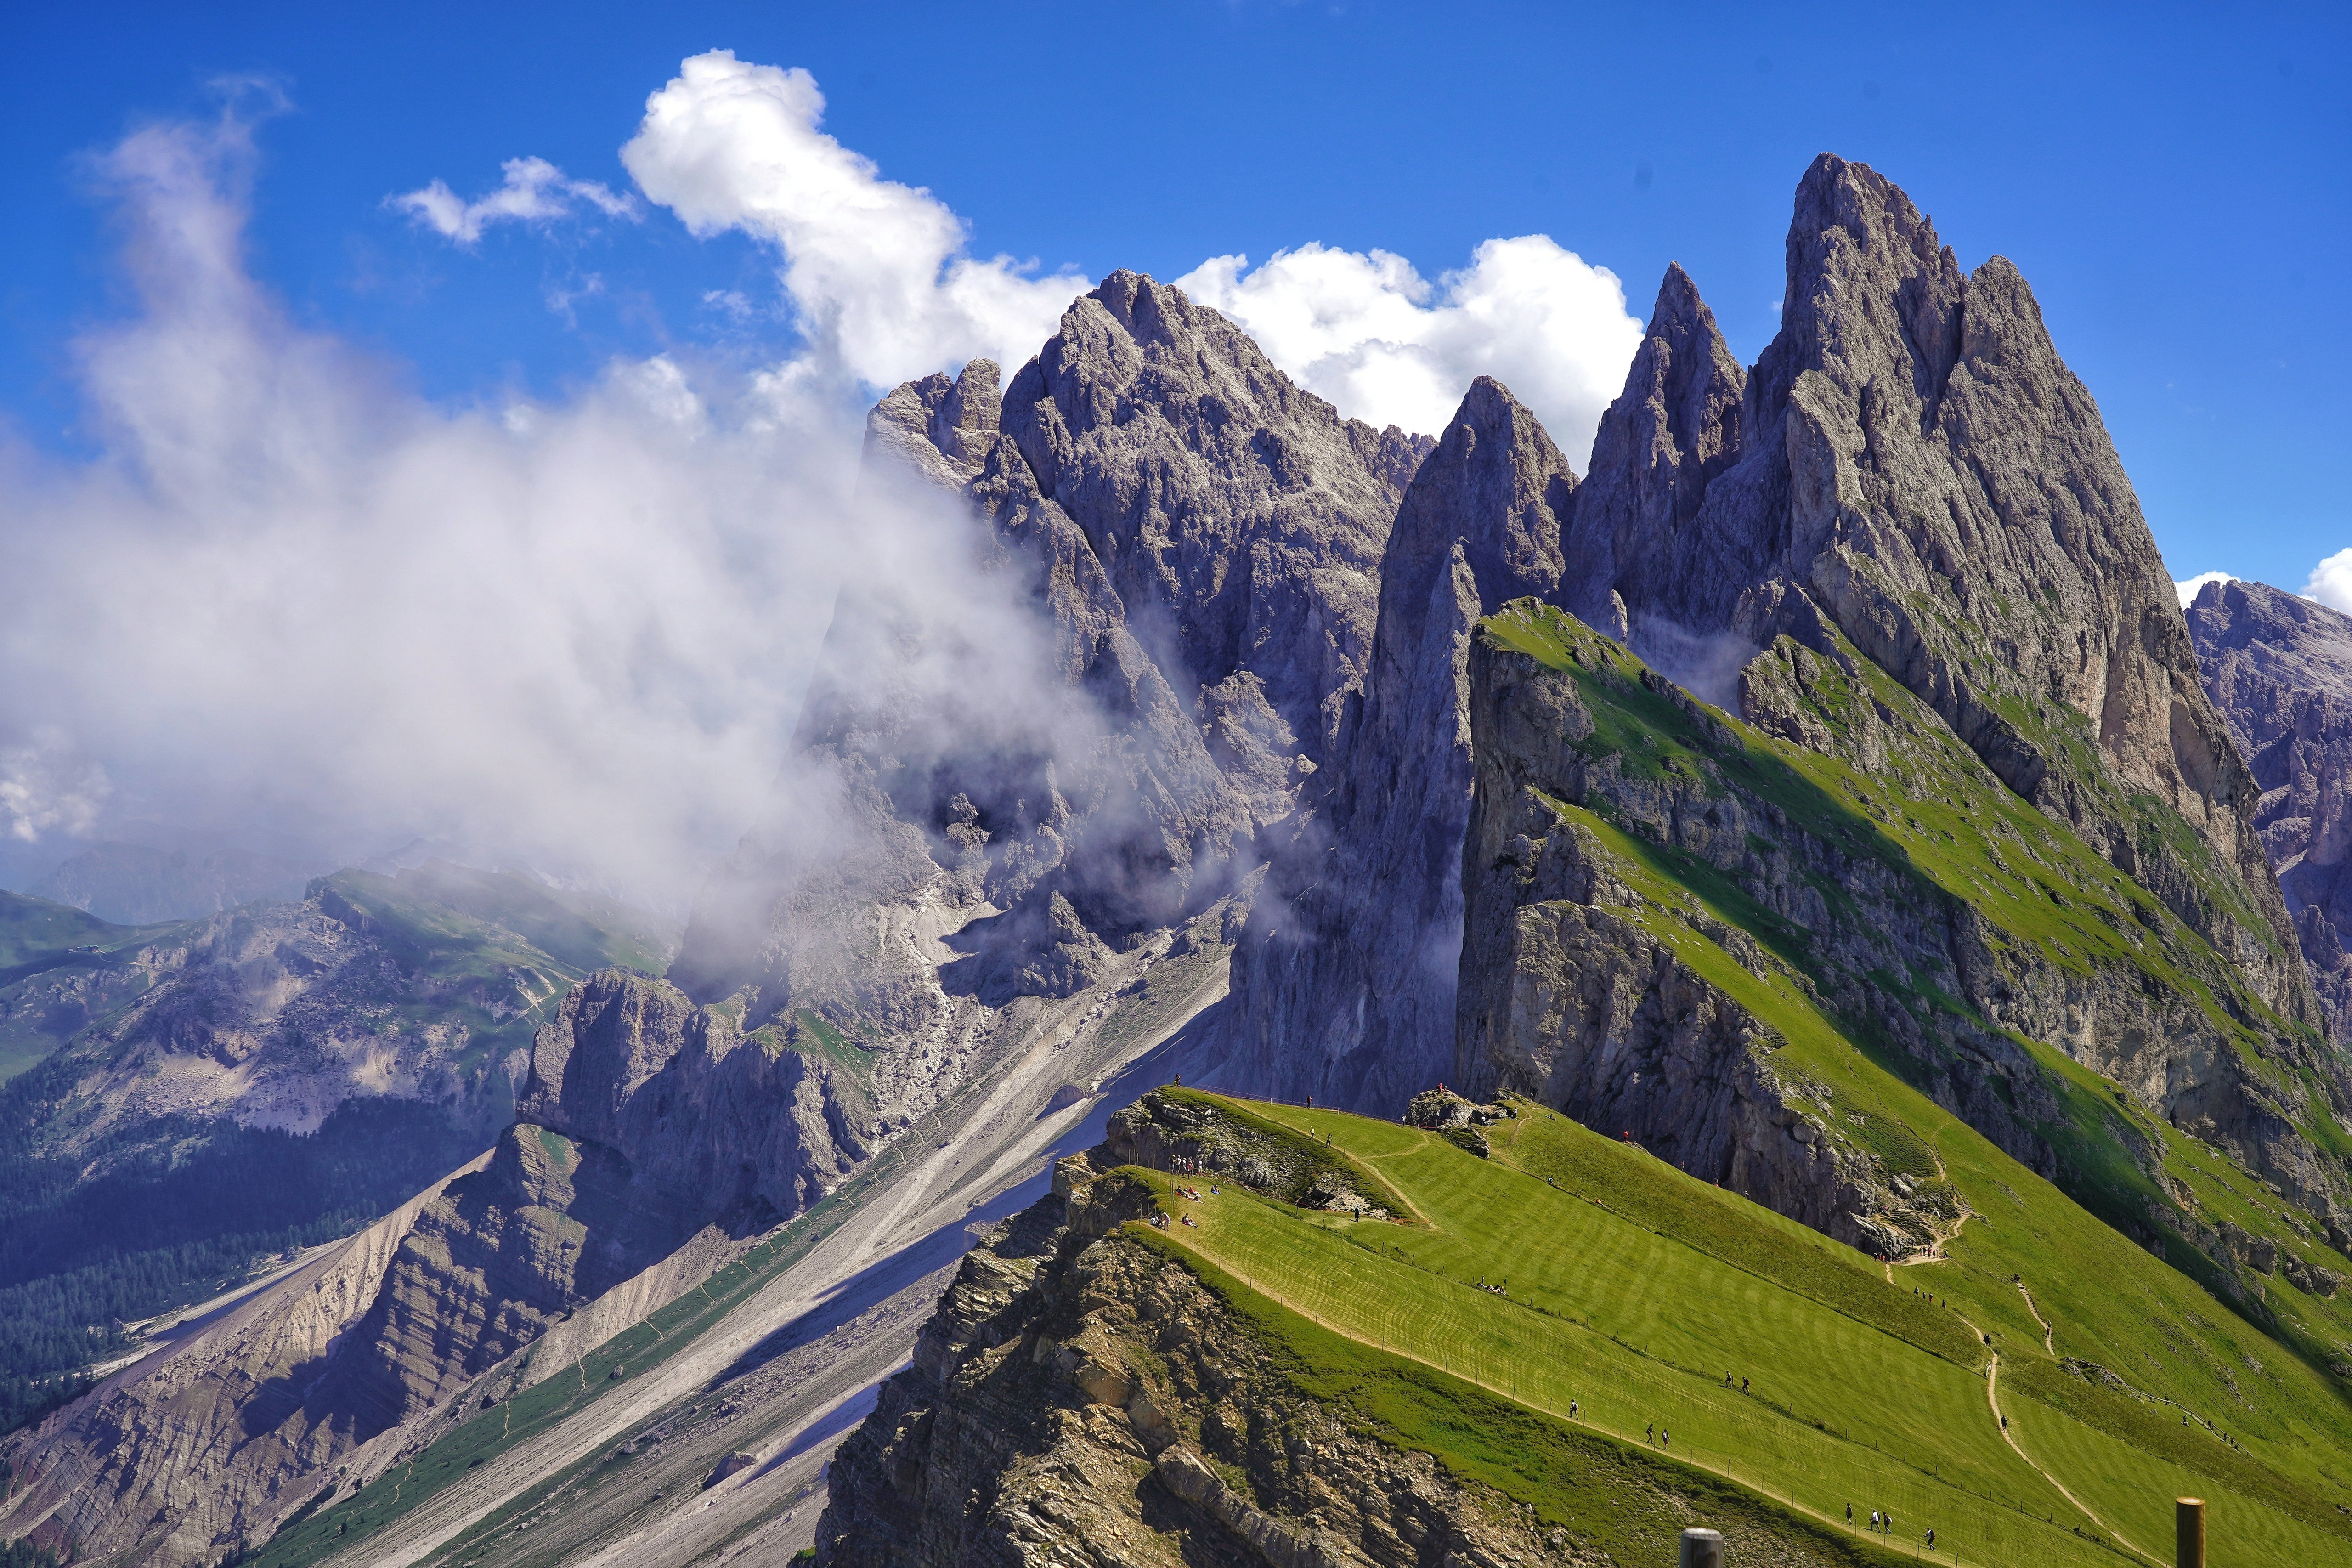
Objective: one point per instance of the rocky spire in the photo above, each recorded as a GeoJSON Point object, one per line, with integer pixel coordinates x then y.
{"type": "Point", "coordinates": [1670, 433]}
{"type": "Point", "coordinates": [1916, 471]}
{"type": "Point", "coordinates": [1345, 989]}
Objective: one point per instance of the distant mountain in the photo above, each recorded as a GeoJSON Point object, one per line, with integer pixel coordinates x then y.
{"type": "Point", "coordinates": [2279, 667]}
{"type": "Point", "coordinates": [132, 884]}
{"type": "Point", "coordinates": [371, 1034]}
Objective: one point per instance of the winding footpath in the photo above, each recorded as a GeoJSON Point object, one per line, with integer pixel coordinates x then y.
{"type": "Point", "coordinates": [1993, 1400]}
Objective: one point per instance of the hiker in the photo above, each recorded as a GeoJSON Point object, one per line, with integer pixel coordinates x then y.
{"type": "Point", "coordinates": [1743, 1385]}
{"type": "Point", "coordinates": [1931, 1539]}
{"type": "Point", "coordinates": [1873, 1519]}
{"type": "Point", "coordinates": [1890, 1524]}
{"type": "Point", "coordinates": [1849, 1513]}
{"type": "Point", "coordinates": [1666, 1439]}
{"type": "Point", "coordinates": [1572, 1409]}
{"type": "Point", "coordinates": [1650, 1432]}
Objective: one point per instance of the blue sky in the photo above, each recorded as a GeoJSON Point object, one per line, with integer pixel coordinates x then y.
{"type": "Point", "coordinates": [2173, 181]}
{"type": "Point", "coordinates": [334, 518]}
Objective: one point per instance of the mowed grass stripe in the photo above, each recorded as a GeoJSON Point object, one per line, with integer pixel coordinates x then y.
{"type": "Point", "coordinates": [1542, 1363]}
{"type": "Point", "coordinates": [2133, 1490]}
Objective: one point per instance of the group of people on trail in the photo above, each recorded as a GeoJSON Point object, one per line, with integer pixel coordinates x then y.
{"type": "Point", "coordinates": [1726, 1383]}
{"type": "Point", "coordinates": [1884, 1523]}
{"type": "Point", "coordinates": [1663, 1436]}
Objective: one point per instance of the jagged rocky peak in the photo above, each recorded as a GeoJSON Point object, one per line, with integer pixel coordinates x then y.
{"type": "Point", "coordinates": [938, 427]}
{"type": "Point", "coordinates": [1345, 990]}
{"type": "Point", "coordinates": [1671, 432]}
{"type": "Point", "coordinates": [1215, 489]}
{"type": "Point", "coordinates": [2279, 667]}
{"type": "Point", "coordinates": [1915, 466]}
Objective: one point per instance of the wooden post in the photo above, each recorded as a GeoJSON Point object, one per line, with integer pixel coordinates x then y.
{"type": "Point", "coordinates": [1702, 1548]}
{"type": "Point", "coordinates": [2189, 1532]}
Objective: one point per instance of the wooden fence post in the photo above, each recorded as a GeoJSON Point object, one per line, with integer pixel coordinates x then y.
{"type": "Point", "coordinates": [2189, 1532]}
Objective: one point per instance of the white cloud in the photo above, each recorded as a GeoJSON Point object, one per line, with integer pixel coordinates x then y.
{"type": "Point", "coordinates": [2188, 588]}
{"type": "Point", "coordinates": [45, 788]}
{"type": "Point", "coordinates": [875, 270]}
{"type": "Point", "coordinates": [2331, 582]}
{"type": "Point", "coordinates": [535, 191]}
{"type": "Point", "coordinates": [1369, 333]}
{"type": "Point", "coordinates": [287, 596]}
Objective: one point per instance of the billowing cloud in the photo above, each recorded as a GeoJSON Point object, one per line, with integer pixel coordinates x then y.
{"type": "Point", "coordinates": [291, 597]}
{"type": "Point", "coordinates": [535, 192]}
{"type": "Point", "coordinates": [1369, 333]}
{"type": "Point", "coordinates": [287, 596]}
{"type": "Point", "coordinates": [2331, 582]}
{"type": "Point", "coordinates": [875, 270]}
{"type": "Point", "coordinates": [2189, 588]}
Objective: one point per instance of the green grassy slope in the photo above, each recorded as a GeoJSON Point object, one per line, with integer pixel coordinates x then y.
{"type": "Point", "coordinates": [38, 938]}
{"type": "Point", "coordinates": [1633, 1289]}
{"type": "Point", "coordinates": [1938, 819]}
{"type": "Point", "coordinates": [32, 928]}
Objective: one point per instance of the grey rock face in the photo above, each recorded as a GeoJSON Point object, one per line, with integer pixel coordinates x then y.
{"type": "Point", "coordinates": [1200, 540]}
{"type": "Point", "coordinates": [1344, 985]}
{"type": "Point", "coordinates": [1912, 457]}
{"type": "Point", "coordinates": [2279, 667]}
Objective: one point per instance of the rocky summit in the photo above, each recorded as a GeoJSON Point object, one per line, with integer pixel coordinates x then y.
{"type": "Point", "coordinates": [1654, 959]}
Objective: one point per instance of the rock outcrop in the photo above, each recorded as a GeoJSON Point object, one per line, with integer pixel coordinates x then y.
{"type": "Point", "coordinates": [1080, 1396]}
{"type": "Point", "coordinates": [2279, 667]}
{"type": "Point", "coordinates": [1344, 983]}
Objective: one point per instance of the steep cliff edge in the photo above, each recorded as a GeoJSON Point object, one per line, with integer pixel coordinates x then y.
{"type": "Point", "coordinates": [1084, 1395]}
{"type": "Point", "coordinates": [2279, 667]}
{"type": "Point", "coordinates": [1681, 925]}
{"type": "Point", "coordinates": [1913, 462]}
{"type": "Point", "coordinates": [1344, 981]}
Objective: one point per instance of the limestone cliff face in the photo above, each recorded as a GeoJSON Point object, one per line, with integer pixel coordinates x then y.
{"type": "Point", "coordinates": [1572, 994]}
{"type": "Point", "coordinates": [1198, 541]}
{"type": "Point", "coordinates": [183, 1458]}
{"type": "Point", "coordinates": [646, 1121]}
{"type": "Point", "coordinates": [1579, 988]}
{"type": "Point", "coordinates": [2279, 667]}
{"type": "Point", "coordinates": [1912, 457]}
{"type": "Point", "coordinates": [1344, 986]}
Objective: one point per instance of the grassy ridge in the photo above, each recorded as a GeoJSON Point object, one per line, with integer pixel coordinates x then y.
{"type": "Point", "coordinates": [1633, 1287]}
{"type": "Point", "coordinates": [1934, 815]}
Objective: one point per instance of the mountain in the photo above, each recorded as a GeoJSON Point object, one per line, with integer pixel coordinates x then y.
{"type": "Point", "coordinates": [1344, 980]}
{"type": "Point", "coordinates": [1805, 838]}
{"type": "Point", "coordinates": [135, 884]}
{"type": "Point", "coordinates": [1924, 536]}
{"type": "Point", "coordinates": [1846, 828]}
{"type": "Point", "coordinates": [192, 1097]}
{"type": "Point", "coordinates": [2279, 667]}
